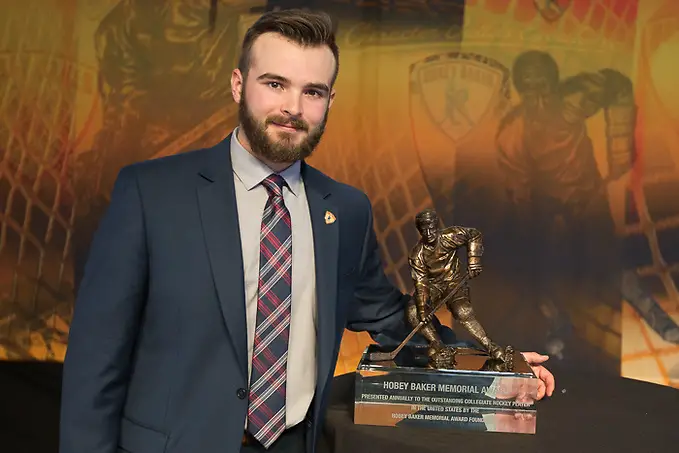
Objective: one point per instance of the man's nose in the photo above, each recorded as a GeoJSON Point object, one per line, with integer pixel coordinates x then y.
{"type": "Point", "coordinates": [293, 104]}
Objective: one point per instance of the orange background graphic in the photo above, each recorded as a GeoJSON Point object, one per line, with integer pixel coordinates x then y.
{"type": "Point", "coordinates": [433, 109]}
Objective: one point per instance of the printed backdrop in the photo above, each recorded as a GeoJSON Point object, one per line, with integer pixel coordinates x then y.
{"type": "Point", "coordinates": [434, 109]}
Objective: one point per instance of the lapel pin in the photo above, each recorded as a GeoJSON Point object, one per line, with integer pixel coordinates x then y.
{"type": "Point", "coordinates": [329, 218]}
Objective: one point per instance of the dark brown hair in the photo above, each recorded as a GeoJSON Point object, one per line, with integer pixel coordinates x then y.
{"type": "Point", "coordinates": [301, 26]}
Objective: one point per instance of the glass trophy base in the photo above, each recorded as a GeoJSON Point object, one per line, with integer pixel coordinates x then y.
{"type": "Point", "coordinates": [476, 395]}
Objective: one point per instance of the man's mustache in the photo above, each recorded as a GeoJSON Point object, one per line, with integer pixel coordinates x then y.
{"type": "Point", "coordinates": [295, 123]}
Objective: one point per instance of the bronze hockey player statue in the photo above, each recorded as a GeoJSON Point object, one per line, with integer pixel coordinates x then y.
{"type": "Point", "coordinates": [436, 271]}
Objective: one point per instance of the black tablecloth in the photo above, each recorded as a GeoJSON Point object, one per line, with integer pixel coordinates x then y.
{"type": "Point", "coordinates": [587, 413]}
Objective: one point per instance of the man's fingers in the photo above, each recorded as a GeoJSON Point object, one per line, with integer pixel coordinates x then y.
{"type": "Point", "coordinates": [533, 358]}
{"type": "Point", "coordinates": [541, 390]}
{"type": "Point", "coordinates": [548, 378]}
{"type": "Point", "coordinates": [547, 383]}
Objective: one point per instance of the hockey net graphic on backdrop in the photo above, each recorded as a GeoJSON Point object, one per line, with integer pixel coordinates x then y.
{"type": "Point", "coordinates": [49, 102]}
{"type": "Point", "coordinates": [37, 204]}
{"type": "Point", "coordinates": [650, 335]}
{"type": "Point", "coordinates": [651, 340]}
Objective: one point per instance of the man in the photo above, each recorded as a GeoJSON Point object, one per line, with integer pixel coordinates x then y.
{"type": "Point", "coordinates": [436, 272]}
{"type": "Point", "coordinates": [220, 281]}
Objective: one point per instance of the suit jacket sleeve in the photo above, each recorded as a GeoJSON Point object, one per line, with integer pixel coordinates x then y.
{"type": "Point", "coordinates": [379, 307]}
{"type": "Point", "coordinates": [104, 326]}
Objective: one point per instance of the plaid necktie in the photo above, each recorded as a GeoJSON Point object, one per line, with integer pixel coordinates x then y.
{"type": "Point", "coordinates": [266, 412]}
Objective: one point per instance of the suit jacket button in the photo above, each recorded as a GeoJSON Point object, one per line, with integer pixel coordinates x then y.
{"type": "Point", "coordinates": [242, 393]}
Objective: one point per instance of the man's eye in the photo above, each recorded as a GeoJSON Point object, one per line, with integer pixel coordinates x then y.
{"type": "Point", "coordinates": [274, 84]}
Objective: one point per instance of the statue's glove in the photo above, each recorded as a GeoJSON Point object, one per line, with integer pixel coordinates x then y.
{"type": "Point", "coordinates": [422, 313]}
{"type": "Point", "coordinates": [421, 297]}
{"type": "Point", "coordinates": [474, 267]}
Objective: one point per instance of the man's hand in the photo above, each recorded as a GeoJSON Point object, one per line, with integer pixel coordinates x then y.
{"type": "Point", "coordinates": [547, 384]}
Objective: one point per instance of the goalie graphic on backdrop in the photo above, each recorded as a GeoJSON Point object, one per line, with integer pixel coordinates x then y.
{"type": "Point", "coordinates": [557, 193]}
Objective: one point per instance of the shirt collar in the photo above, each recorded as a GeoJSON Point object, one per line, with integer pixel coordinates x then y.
{"type": "Point", "coordinates": [252, 171]}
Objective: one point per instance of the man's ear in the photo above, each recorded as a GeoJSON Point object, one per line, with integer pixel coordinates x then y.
{"type": "Point", "coordinates": [236, 85]}
{"type": "Point", "coordinates": [332, 98]}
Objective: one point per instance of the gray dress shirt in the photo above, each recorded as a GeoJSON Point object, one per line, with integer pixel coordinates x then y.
{"type": "Point", "coordinates": [251, 197]}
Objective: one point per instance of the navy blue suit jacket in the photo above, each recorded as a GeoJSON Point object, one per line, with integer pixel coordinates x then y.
{"type": "Point", "coordinates": [156, 360]}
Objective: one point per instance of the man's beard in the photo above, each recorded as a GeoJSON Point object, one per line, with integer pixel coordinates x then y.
{"type": "Point", "coordinates": [283, 150]}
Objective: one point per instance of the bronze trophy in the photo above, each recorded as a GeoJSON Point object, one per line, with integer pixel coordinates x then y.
{"type": "Point", "coordinates": [488, 388]}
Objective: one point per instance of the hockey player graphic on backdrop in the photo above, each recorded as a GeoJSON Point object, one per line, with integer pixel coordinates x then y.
{"type": "Point", "coordinates": [557, 194]}
{"type": "Point", "coordinates": [164, 83]}
{"type": "Point", "coordinates": [162, 72]}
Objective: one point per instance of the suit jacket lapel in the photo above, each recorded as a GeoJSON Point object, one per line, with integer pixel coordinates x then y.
{"type": "Point", "coordinates": [219, 215]}
{"type": "Point", "coordinates": [326, 247]}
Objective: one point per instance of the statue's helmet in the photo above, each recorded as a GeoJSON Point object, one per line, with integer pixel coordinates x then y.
{"type": "Point", "coordinates": [426, 217]}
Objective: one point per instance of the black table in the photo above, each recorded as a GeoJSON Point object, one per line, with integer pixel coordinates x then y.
{"type": "Point", "coordinates": [596, 413]}
{"type": "Point", "coordinates": [587, 413]}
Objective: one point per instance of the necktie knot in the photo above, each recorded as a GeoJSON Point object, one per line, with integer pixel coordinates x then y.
{"type": "Point", "coordinates": [274, 184]}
